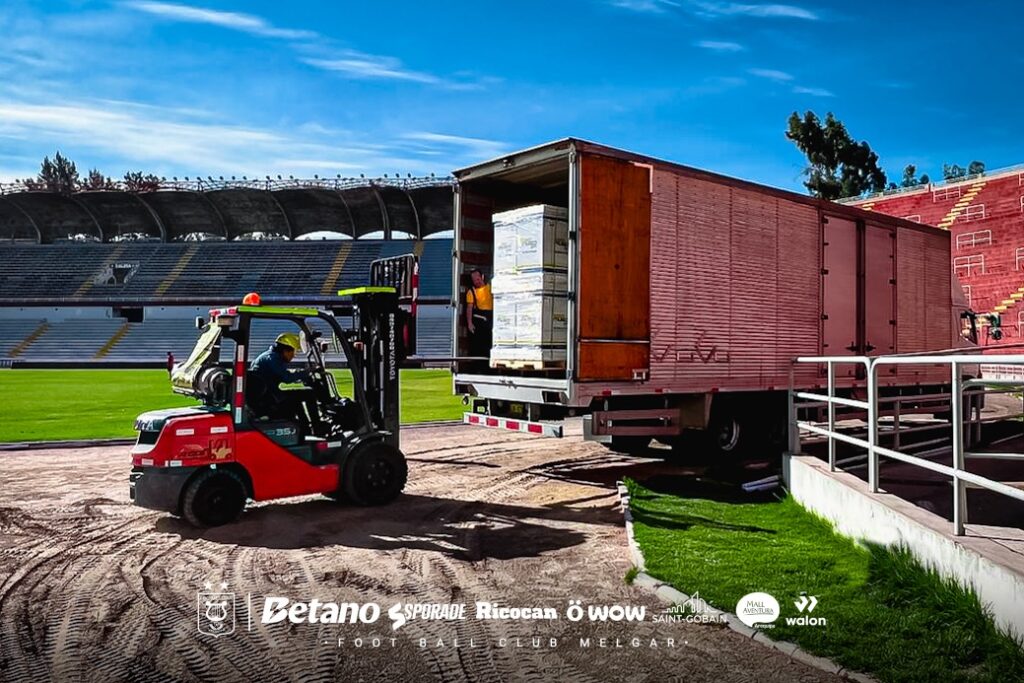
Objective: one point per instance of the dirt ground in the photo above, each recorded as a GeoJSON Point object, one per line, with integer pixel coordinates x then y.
{"type": "Point", "coordinates": [94, 589]}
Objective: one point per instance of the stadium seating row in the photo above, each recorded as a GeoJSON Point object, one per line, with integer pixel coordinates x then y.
{"type": "Point", "coordinates": [111, 339]}
{"type": "Point", "coordinates": [214, 270]}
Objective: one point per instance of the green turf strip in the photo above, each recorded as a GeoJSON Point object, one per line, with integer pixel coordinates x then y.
{"type": "Point", "coordinates": [48, 405]}
{"type": "Point", "coordinates": [886, 615]}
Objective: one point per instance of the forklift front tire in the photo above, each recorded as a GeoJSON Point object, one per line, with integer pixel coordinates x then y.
{"type": "Point", "coordinates": [213, 498]}
{"type": "Point", "coordinates": [374, 474]}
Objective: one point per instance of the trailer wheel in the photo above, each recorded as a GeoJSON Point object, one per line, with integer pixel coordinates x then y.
{"type": "Point", "coordinates": [374, 474]}
{"type": "Point", "coordinates": [726, 434]}
{"type": "Point", "coordinates": [213, 498]}
{"type": "Point", "coordinates": [630, 445]}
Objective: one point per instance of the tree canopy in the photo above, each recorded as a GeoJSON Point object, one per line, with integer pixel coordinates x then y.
{"type": "Point", "coordinates": [61, 175]}
{"type": "Point", "coordinates": [910, 178]}
{"type": "Point", "coordinates": [838, 166]}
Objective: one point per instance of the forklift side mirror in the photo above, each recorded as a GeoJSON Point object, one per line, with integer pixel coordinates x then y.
{"type": "Point", "coordinates": [200, 322]}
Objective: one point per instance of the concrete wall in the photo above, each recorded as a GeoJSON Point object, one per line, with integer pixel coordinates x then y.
{"type": "Point", "coordinates": [988, 567]}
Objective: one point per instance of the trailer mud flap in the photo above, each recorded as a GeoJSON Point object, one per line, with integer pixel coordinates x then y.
{"type": "Point", "coordinates": [513, 425]}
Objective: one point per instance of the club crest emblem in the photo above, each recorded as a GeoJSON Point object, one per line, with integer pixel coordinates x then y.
{"type": "Point", "coordinates": [216, 610]}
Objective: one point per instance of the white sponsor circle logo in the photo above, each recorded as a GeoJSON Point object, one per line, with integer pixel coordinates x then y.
{"type": "Point", "coordinates": [757, 610]}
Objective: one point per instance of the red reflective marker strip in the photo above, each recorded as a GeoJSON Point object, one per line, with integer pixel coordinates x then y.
{"type": "Point", "coordinates": [535, 429]}
{"type": "Point", "coordinates": [492, 422]}
{"type": "Point", "coordinates": [512, 424]}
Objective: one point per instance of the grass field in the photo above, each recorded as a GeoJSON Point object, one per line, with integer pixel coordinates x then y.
{"type": "Point", "coordinates": [47, 405]}
{"type": "Point", "coordinates": [886, 615]}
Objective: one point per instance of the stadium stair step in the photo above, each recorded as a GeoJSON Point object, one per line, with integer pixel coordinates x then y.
{"type": "Point", "coordinates": [330, 286]}
{"type": "Point", "coordinates": [177, 270]}
{"type": "Point", "coordinates": [961, 205]}
{"type": "Point", "coordinates": [84, 288]}
{"type": "Point", "coordinates": [113, 341]}
{"type": "Point", "coordinates": [1009, 302]}
{"type": "Point", "coordinates": [29, 340]}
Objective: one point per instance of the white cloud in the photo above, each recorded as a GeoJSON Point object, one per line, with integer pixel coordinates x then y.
{"type": "Point", "coordinates": [171, 143]}
{"type": "Point", "coordinates": [725, 9]}
{"type": "Point", "coordinates": [816, 92]}
{"type": "Point", "coordinates": [246, 23]}
{"type": "Point", "coordinates": [720, 45]}
{"type": "Point", "coordinates": [476, 147]}
{"type": "Point", "coordinates": [771, 74]}
{"type": "Point", "coordinates": [644, 6]}
{"type": "Point", "coordinates": [348, 63]}
{"type": "Point", "coordinates": [363, 66]}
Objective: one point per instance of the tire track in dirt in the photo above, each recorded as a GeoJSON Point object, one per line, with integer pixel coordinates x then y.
{"type": "Point", "coordinates": [533, 527]}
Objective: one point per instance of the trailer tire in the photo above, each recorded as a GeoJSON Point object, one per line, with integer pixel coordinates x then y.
{"type": "Point", "coordinates": [375, 473]}
{"type": "Point", "coordinates": [727, 434]}
{"type": "Point", "coordinates": [629, 445]}
{"type": "Point", "coordinates": [213, 498]}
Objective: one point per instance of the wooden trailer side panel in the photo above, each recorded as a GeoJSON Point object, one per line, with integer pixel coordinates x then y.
{"type": "Point", "coordinates": [924, 300]}
{"type": "Point", "coordinates": [736, 286]}
{"type": "Point", "coordinates": [614, 276]}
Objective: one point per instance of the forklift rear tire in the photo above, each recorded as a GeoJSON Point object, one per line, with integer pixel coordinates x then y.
{"type": "Point", "coordinates": [374, 474]}
{"type": "Point", "coordinates": [213, 498]}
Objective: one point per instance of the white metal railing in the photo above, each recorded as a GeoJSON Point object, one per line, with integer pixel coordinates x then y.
{"type": "Point", "coordinates": [1022, 203]}
{"type": "Point", "coordinates": [966, 265]}
{"type": "Point", "coordinates": [967, 294]}
{"type": "Point", "coordinates": [974, 239]}
{"type": "Point", "coordinates": [974, 212]}
{"type": "Point", "coordinates": [989, 176]}
{"type": "Point", "coordinates": [913, 217]}
{"type": "Point", "coordinates": [946, 193]}
{"type": "Point", "coordinates": [960, 386]}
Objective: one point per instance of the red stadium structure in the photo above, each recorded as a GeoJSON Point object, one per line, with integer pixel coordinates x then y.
{"type": "Point", "coordinates": [986, 216]}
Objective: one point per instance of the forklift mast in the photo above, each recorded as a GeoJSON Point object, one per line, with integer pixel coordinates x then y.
{"type": "Point", "coordinates": [376, 328]}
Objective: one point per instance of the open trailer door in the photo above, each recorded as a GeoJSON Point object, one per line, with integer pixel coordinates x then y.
{"type": "Point", "coordinates": [614, 269]}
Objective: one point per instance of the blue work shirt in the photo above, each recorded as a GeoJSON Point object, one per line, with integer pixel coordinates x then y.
{"type": "Point", "coordinates": [273, 370]}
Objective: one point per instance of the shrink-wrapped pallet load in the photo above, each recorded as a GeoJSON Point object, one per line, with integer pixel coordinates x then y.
{"type": "Point", "coordinates": [530, 287]}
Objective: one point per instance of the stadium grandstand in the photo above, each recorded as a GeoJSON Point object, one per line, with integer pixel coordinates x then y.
{"type": "Point", "coordinates": [985, 214]}
{"type": "Point", "coordinates": [116, 277]}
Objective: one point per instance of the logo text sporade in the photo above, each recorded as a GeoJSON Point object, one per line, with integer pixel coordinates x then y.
{"type": "Point", "coordinates": [277, 609]}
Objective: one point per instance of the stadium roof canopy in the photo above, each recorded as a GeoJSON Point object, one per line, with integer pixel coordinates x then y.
{"type": "Point", "coordinates": [230, 210]}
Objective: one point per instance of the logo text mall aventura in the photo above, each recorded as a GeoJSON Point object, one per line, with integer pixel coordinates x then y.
{"type": "Point", "coordinates": [761, 610]}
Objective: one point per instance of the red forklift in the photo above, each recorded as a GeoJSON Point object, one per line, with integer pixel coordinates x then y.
{"type": "Point", "coordinates": [204, 463]}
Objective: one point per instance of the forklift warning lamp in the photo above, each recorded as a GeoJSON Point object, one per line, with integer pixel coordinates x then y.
{"type": "Point", "coordinates": [251, 299]}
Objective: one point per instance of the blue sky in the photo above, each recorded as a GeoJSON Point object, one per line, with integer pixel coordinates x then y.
{"type": "Point", "coordinates": [225, 87]}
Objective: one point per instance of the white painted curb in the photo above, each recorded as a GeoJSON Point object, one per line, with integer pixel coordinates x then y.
{"type": "Point", "coordinates": [671, 595]}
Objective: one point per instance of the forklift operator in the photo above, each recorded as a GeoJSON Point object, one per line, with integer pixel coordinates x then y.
{"type": "Point", "coordinates": [266, 375]}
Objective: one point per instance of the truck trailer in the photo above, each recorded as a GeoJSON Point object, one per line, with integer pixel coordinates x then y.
{"type": "Point", "coordinates": [690, 293]}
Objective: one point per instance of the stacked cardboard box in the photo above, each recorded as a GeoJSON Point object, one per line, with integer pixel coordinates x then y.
{"type": "Point", "coordinates": [531, 254]}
